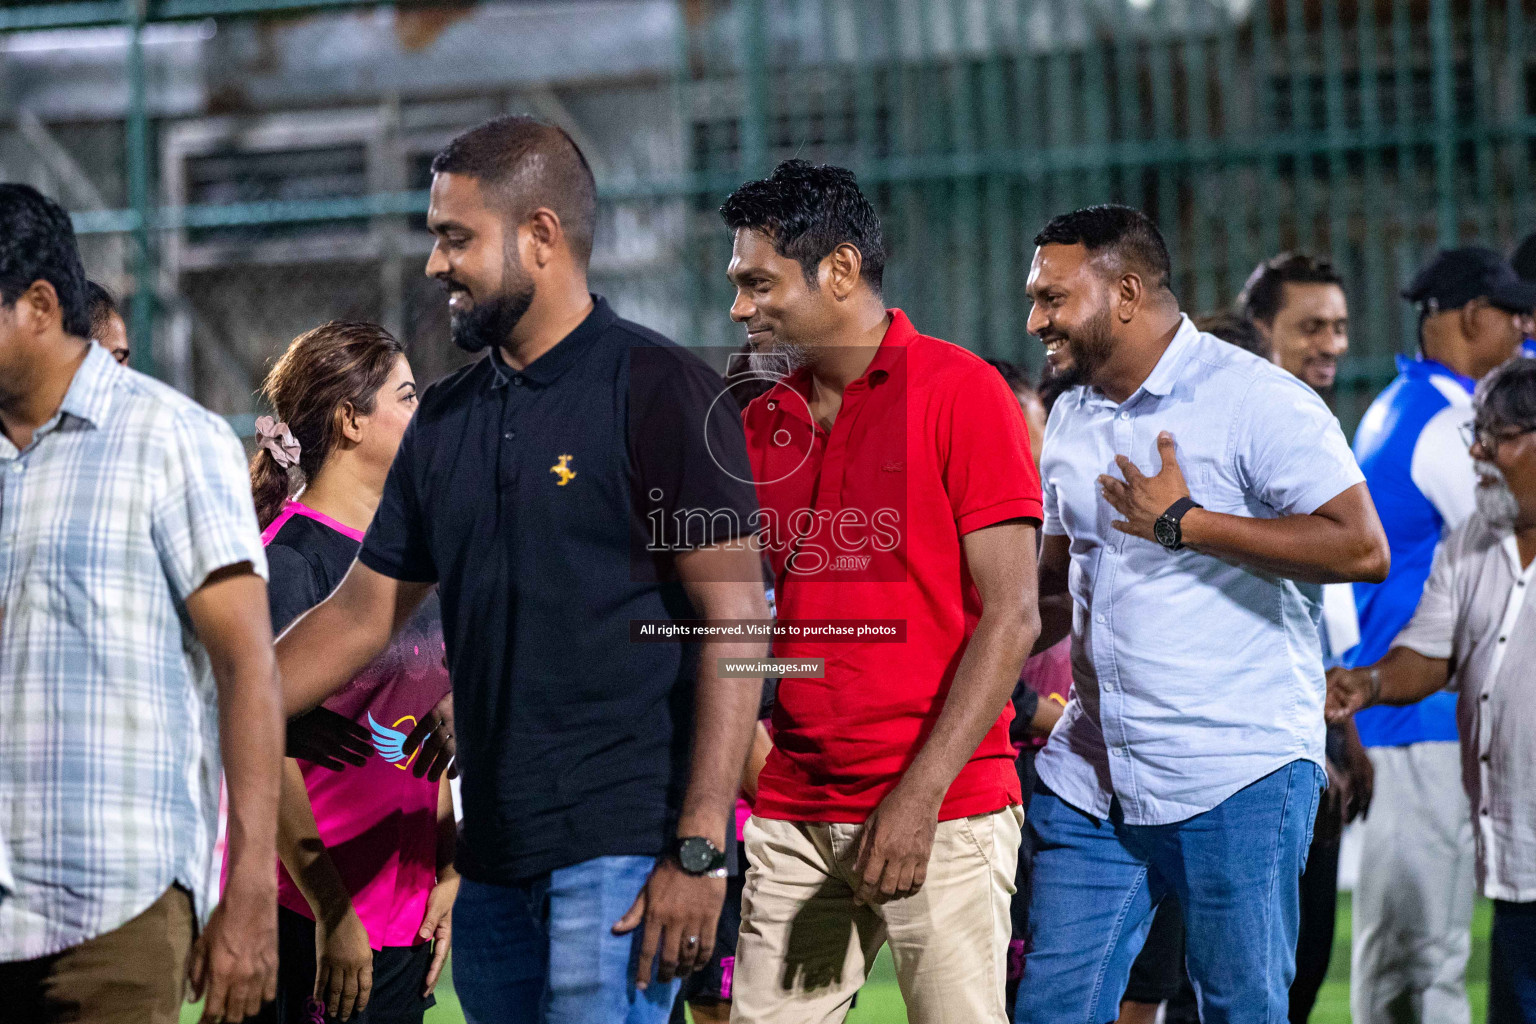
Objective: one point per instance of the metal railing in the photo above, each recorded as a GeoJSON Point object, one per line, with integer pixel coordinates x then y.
{"type": "Point", "coordinates": [1372, 132]}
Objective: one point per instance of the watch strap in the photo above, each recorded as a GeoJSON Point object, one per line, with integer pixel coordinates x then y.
{"type": "Point", "coordinates": [1177, 509]}
{"type": "Point", "coordinates": [1174, 516]}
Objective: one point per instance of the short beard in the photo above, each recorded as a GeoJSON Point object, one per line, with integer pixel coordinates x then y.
{"type": "Point", "coordinates": [491, 322]}
{"type": "Point", "coordinates": [1496, 503]}
{"type": "Point", "coordinates": [1091, 347]}
{"type": "Point", "coordinates": [780, 360]}
{"type": "Point", "coordinates": [1065, 380]}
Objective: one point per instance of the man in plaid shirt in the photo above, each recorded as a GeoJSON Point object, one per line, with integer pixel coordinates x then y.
{"type": "Point", "coordinates": [133, 631]}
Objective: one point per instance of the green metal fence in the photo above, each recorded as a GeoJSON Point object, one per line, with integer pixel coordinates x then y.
{"type": "Point", "coordinates": [1369, 131]}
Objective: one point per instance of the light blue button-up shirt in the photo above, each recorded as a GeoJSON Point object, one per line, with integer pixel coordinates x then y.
{"type": "Point", "coordinates": [1193, 676]}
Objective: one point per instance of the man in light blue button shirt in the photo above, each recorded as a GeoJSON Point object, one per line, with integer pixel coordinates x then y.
{"type": "Point", "coordinates": [1196, 497]}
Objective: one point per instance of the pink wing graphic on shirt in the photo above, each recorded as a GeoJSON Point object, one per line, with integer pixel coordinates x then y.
{"type": "Point", "coordinates": [390, 743]}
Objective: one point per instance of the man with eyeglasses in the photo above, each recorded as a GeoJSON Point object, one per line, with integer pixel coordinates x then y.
{"type": "Point", "coordinates": [1413, 903]}
{"type": "Point", "coordinates": [1475, 631]}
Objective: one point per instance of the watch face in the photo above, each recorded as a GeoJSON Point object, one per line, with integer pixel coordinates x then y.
{"type": "Point", "coordinates": [1166, 532]}
{"type": "Point", "coordinates": [696, 854]}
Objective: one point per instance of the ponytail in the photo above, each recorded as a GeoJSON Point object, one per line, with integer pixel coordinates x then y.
{"type": "Point", "coordinates": [269, 487]}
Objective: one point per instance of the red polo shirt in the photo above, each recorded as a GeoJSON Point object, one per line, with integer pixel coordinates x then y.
{"type": "Point", "coordinates": [865, 522]}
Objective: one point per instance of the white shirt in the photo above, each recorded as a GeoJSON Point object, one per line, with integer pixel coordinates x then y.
{"type": "Point", "coordinates": [1474, 612]}
{"type": "Point", "coordinates": [1193, 676]}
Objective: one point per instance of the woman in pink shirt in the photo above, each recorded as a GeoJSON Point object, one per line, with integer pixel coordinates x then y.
{"type": "Point", "coordinates": [366, 883]}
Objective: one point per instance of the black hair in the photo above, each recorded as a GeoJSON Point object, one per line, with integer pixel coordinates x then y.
{"type": "Point", "coordinates": [1014, 375]}
{"type": "Point", "coordinates": [528, 163]}
{"type": "Point", "coordinates": [102, 306]}
{"type": "Point", "coordinates": [1234, 329]}
{"type": "Point", "coordinates": [1127, 236]}
{"type": "Point", "coordinates": [1508, 395]}
{"type": "Point", "coordinates": [37, 243]}
{"type": "Point", "coordinates": [1264, 293]}
{"type": "Point", "coordinates": [808, 210]}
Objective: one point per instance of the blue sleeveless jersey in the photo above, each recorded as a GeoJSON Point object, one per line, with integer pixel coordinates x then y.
{"type": "Point", "coordinates": [1418, 475]}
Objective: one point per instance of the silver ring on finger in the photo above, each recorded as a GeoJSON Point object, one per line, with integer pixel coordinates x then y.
{"type": "Point", "coordinates": [693, 940]}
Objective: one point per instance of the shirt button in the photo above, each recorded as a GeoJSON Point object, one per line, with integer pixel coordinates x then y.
{"type": "Point", "coordinates": [1106, 686]}
{"type": "Point", "coordinates": [518, 380]}
{"type": "Point", "coordinates": [1100, 619]}
{"type": "Point", "coordinates": [1125, 415]}
{"type": "Point", "coordinates": [509, 435]}
{"type": "Point", "coordinates": [1119, 751]}
{"type": "Point", "coordinates": [1503, 638]}
{"type": "Point", "coordinates": [1485, 812]}
{"type": "Point", "coordinates": [1485, 696]}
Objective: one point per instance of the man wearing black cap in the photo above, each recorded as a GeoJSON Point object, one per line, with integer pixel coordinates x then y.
{"type": "Point", "coordinates": [1413, 903]}
{"type": "Point", "coordinates": [1524, 262]}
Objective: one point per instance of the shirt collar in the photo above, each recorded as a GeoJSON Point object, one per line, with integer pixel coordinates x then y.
{"type": "Point", "coordinates": [1166, 373]}
{"type": "Point", "coordinates": [899, 334]}
{"type": "Point", "coordinates": [90, 393]}
{"type": "Point", "coordinates": [566, 352]}
{"type": "Point", "coordinates": [1423, 368]}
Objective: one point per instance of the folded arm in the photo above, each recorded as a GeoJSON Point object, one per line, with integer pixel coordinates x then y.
{"type": "Point", "coordinates": [1341, 542]}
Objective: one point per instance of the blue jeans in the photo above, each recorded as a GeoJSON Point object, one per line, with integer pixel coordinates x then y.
{"type": "Point", "coordinates": [1234, 868]}
{"type": "Point", "coordinates": [1512, 967]}
{"type": "Point", "coordinates": [544, 952]}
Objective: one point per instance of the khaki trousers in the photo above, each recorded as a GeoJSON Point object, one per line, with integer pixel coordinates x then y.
{"type": "Point", "coordinates": [131, 975]}
{"type": "Point", "coordinates": [806, 947]}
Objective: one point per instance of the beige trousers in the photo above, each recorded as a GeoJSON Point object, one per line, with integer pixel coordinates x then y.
{"type": "Point", "coordinates": [806, 947]}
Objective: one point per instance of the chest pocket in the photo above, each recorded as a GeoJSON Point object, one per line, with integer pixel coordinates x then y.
{"type": "Point", "coordinates": [1213, 483]}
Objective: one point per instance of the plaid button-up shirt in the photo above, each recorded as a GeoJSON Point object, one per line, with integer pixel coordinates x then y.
{"type": "Point", "coordinates": [119, 509]}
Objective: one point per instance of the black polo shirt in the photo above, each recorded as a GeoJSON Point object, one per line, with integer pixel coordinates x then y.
{"type": "Point", "coordinates": [525, 497]}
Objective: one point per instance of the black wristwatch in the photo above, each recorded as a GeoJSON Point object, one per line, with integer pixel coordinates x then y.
{"type": "Point", "coordinates": [1167, 529]}
{"type": "Point", "coordinates": [699, 857]}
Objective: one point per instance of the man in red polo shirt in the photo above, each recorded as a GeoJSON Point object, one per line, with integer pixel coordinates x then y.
{"type": "Point", "coordinates": [896, 482]}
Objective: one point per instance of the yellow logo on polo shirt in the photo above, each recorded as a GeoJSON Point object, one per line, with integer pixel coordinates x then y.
{"type": "Point", "coordinates": [562, 470]}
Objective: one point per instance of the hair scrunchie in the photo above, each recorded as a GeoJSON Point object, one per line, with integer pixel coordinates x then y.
{"type": "Point", "coordinates": [277, 439]}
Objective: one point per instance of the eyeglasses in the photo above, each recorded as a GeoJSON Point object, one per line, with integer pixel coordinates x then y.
{"type": "Point", "coordinates": [1485, 435]}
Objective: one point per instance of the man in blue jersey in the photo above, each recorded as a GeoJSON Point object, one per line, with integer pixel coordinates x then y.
{"type": "Point", "coordinates": [1413, 903]}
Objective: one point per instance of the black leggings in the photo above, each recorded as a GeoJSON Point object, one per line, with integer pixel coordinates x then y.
{"type": "Point", "coordinates": [1319, 907]}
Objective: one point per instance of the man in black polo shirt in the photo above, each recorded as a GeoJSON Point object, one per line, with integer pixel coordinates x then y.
{"type": "Point", "coordinates": [598, 774]}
